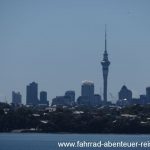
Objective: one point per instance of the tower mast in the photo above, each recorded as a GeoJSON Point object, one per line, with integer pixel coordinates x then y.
{"type": "Point", "coordinates": [105, 39]}
{"type": "Point", "coordinates": [105, 68]}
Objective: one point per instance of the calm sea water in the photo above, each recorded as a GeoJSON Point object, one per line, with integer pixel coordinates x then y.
{"type": "Point", "coordinates": [33, 141]}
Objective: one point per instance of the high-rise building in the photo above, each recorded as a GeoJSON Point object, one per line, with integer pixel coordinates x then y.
{"type": "Point", "coordinates": [87, 92]}
{"type": "Point", "coordinates": [71, 94]}
{"type": "Point", "coordinates": [143, 99]}
{"type": "Point", "coordinates": [32, 94]}
{"type": "Point", "coordinates": [16, 98]}
{"type": "Point", "coordinates": [148, 94]}
{"type": "Point", "coordinates": [125, 94]}
{"type": "Point", "coordinates": [105, 67]}
{"type": "Point", "coordinates": [43, 98]}
{"type": "Point", "coordinates": [97, 100]}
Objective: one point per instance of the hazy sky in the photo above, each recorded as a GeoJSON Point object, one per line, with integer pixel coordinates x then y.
{"type": "Point", "coordinates": [60, 43]}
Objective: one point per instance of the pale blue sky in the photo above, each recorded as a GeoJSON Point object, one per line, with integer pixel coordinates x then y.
{"type": "Point", "coordinates": [60, 43]}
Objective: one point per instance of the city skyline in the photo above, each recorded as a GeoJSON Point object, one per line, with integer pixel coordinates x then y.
{"type": "Point", "coordinates": [88, 97]}
{"type": "Point", "coordinates": [59, 44]}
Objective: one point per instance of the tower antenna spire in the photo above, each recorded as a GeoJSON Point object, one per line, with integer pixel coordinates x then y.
{"type": "Point", "coordinates": [105, 38]}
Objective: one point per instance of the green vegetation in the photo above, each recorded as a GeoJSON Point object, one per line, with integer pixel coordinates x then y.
{"type": "Point", "coordinates": [133, 119]}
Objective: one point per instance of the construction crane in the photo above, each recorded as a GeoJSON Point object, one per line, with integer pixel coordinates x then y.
{"type": "Point", "coordinates": [112, 97]}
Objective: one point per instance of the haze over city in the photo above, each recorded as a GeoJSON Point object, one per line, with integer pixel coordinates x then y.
{"type": "Point", "coordinates": [58, 44]}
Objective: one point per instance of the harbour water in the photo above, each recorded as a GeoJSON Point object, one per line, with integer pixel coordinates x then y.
{"type": "Point", "coordinates": [37, 141]}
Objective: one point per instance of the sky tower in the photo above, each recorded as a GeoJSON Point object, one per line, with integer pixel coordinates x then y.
{"type": "Point", "coordinates": [105, 67]}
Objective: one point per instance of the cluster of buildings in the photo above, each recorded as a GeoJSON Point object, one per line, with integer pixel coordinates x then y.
{"type": "Point", "coordinates": [31, 96]}
{"type": "Point", "coordinates": [125, 97]}
{"type": "Point", "coordinates": [88, 97]}
{"type": "Point", "coordinates": [67, 100]}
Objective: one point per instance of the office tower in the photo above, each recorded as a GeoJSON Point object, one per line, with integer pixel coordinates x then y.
{"type": "Point", "coordinates": [87, 92]}
{"type": "Point", "coordinates": [143, 99]}
{"type": "Point", "coordinates": [43, 98]}
{"type": "Point", "coordinates": [32, 94]}
{"type": "Point", "coordinates": [16, 98]}
{"type": "Point", "coordinates": [97, 100]}
{"type": "Point", "coordinates": [125, 94]}
{"type": "Point", "coordinates": [148, 94]}
{"type": "Point", "coordinates": [105, 68]}
{"type": "Point", "coordinates": [71, 94]}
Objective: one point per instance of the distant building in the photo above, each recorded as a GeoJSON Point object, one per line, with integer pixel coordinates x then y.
{"type": "Point", "coordinates": [67, 100]}
{"type": "Point", "coordinates": [62, 101]}
{"type": "Point", "coordinates": [135, 101]}
{"type": "Point", "coordinates": [97, 100]}
{"type": "Point", "coordinates": [83, 101]}
{"type": "Point", "coordinates": [88, 98]}
{"type": "Point", "coordinates": [16, 98]}
{"type": "Point", "coordinates": [125, 94]}
{"type": "Point", "coordinates": [143, 99]}
{"type": "Point", "coordinates": [87, 92]}
{"type": "Point", "coordinates": [32, 94]}
{"type": "Point", "coordinates": [43, 98]}
{"type": "Point", "coordinates": [148, 94]}
{"type": "Point", "coordinates": [122, 102]}
{"type": "Point", "coordinates": [71, 94]}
